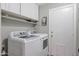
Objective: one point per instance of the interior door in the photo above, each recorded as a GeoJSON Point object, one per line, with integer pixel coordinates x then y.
{"type": "Point", "coordinates": [62, 31]}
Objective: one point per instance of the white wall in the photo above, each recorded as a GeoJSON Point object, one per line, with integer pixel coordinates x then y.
{"type": "Point", "coordinates": [9, 26]}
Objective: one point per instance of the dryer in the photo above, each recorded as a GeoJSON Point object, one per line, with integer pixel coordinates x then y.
{"type": "Point", "coordinates": [44, 39]}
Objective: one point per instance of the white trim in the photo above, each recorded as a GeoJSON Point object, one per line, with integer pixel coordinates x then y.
{"type": "Point", "coordinates": [50, 43]}
{"type": "Point", "coordinates": [77, 31]}
{"type": "Point", "coordinates": [0, 31]}
{"type": "Point", "coordinates": [75, 28]}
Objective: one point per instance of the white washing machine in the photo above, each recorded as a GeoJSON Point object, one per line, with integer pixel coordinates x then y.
{"type": "Point", "coordinates": [20, 44]}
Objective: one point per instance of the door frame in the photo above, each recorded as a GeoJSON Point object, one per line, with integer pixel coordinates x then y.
{"type": "Point", "coordinates": [0, 30]}
{"type": "Point", "coordinates": [75, 27]}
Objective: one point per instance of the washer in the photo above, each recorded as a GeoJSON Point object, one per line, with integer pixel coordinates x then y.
{"type": "Point", "coordinates": [22, 44]}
